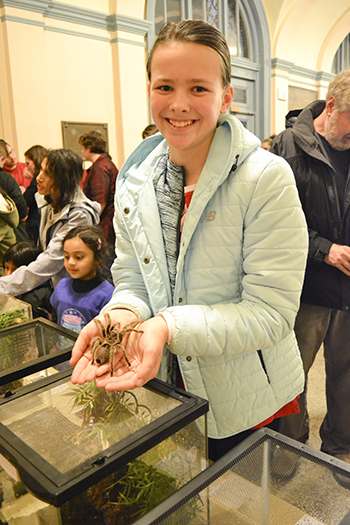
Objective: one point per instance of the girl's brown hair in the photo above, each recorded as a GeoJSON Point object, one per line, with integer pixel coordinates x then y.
{"type": "Point", "coordinates": [94, 239]}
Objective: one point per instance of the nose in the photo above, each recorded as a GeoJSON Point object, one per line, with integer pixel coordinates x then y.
{"type": "Point", "coordinates": [179, 102]}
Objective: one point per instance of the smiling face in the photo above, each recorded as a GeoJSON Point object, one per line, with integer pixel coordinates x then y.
{"type": "Point", "coordinates": [79, 259]}
{"type": "Point", "coordinates": [187, 96]}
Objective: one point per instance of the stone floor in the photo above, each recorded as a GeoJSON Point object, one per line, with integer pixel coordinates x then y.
{"type": "Point", "coordinates": [316, 399]}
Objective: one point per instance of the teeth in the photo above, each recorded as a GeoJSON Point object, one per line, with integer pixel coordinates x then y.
{"type": "Point", "coordinates": [181, 124]}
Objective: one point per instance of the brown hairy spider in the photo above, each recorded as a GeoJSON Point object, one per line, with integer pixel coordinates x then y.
{"type": "Point", "coordinates": [104, 348]}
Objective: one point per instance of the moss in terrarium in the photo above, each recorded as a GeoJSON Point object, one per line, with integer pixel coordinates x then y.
{"type": "Point", "coordinates": [10, 318]}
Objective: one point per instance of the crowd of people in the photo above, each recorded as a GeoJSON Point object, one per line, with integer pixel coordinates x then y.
{"type": "Point", "coordinates": [233, 261]}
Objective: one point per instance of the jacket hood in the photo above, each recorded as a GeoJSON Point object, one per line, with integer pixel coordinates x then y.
{"type": "Point", "coordinates": [79, 200]}
{"type": "Point", "coordinates": [233, 143]}
{"type": "Point", "coordinates": [303, 129]}
{"type": "Point", "coordinates": [8, 211]}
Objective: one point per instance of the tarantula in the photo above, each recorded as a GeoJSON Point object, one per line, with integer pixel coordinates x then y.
{"type": "Point", "coordinates": [104, 348]}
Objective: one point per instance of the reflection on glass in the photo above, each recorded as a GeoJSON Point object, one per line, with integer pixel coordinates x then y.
{"type": "Point", "coordinates": [212, 12]}
{"type": "Point", "coordinates": [232, 27]}
{"type": "Point", "coordinates": [159, 15]}
{"type": "Point", "coordinates": [243, 40]}
{"type": "Point", "coordinates": [198, 10]}
{"type": "Point", "coordinates": [173, 11]}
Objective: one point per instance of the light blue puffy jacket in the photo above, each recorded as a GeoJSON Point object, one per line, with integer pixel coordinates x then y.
{"type": "Point", "coordinates": [239, 274]}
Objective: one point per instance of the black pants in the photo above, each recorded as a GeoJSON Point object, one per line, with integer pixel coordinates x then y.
{"type": "Point", "coordinates": [219, 447]}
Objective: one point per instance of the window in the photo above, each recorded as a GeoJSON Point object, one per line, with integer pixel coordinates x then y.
{"type": "Point", "coordinates": [234, 27]}
{"type": "Point", "coordinates": [342, 57]}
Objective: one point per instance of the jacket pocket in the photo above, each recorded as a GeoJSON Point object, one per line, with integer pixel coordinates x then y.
{"type": "Point", "coordinates": [263, 364]}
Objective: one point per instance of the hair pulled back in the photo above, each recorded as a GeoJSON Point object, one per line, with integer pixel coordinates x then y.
{"type": "Point", "coordinates": [197, 32]}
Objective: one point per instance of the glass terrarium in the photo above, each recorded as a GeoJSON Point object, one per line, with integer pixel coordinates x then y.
{"type": "Point", "coordinates": [13, 311]}
{"type": "Point", "coordinates": [31, 351]}
{"type": "Point", "coordinates": [268, 479]}
{"type": "Point", "coordinates": [89, 456]}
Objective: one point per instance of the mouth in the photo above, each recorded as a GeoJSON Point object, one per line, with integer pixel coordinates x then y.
{"type": "Point", "coordinates": [180, 124]}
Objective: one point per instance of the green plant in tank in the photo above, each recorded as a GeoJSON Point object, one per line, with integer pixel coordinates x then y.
{"type": "Point", "coordinates": [144, 487]}
{"type": "Point", "coordinates": [103, 410]}
{"type": "Point", "coordinates": [10, 318]}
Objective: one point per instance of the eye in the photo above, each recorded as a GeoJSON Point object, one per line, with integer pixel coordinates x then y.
{"type": "Point", "coordinates": [163, 88]}
{"type": "Point", "coordinates": [199, 89]}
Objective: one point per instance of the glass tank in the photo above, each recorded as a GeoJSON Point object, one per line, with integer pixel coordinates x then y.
{"type": "Point", "coordinates": [88, 456]}
{"type": "Point", "coordinates": [32, 350]}
{"type": "Point", "coordinates": [13, 311]}
{"type": "Point", "coordinates": [268, 479]}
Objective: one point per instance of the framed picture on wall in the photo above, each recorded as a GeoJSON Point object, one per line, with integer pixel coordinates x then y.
{"type": "Point", "coordinates": [71, 132]}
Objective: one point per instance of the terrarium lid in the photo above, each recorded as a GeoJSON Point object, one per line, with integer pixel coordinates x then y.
{"type": "Point", "coordinates": [63, 439]}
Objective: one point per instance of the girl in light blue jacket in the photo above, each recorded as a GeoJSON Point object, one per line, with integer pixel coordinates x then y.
{"type": "Point", "coordinates": [211, 246]}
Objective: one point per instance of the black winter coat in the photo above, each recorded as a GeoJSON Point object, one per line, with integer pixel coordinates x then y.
{"type": "Point", "coordinates": [324, 285]}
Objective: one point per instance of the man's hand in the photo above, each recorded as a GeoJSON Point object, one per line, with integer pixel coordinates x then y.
{"type": "Point", "coordinates": [339, 256]}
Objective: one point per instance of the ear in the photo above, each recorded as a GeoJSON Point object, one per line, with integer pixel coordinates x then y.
{"type": "Point", "coordinates": [330, 105]}
{"type": "Point", "coordinates": [226, 98]}
{"type": "Point", "coordinates": [148, 87]}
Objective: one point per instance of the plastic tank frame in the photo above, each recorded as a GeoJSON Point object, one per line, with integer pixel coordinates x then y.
{"type": "Point", "coordinates": [87, 456]}
{"type": "Point", "coordinates": [31, 351]}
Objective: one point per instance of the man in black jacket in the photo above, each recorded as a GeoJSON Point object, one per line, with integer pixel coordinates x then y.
{"type": "Point", "coordinates": [317, 148]}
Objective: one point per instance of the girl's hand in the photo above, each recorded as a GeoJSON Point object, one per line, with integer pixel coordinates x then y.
{"type": "Point", "coordinates": [82, 353]}
{"type": "Point", "coordinates": [144, 353]}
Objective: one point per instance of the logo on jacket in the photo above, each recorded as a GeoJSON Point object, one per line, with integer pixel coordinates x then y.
{"type": "Point", "coordinates": [208, 216]}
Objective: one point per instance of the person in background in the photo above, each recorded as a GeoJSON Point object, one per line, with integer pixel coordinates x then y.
{"type": "Point", "coordinates": [9, 220]}
{"type": "Point", "coordinates": [99, 184]}
{"type": "Point", "coordinates": [317, 148]}
{"type": "Point", "coordinates": [211, 246]}
{"type": "Point", "coordinates": [80, 297]}
{"type": "Point", "coordinates": [266, 144]}
{"type": "Point", "coordinates": [62, 206]}
{"type": "Point", "coordinates": [9, 184]}
{"type": "Point", "coordinates": [15, 168]}
{"type": "Point", "coordinates": [22, 254]}
{"type": "Point", "coordinates": [33, 157]}
{"type": "Point", "coordinates": [149, 130]}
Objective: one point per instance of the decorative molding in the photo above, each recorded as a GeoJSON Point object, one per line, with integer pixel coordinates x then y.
{"type": "Point", "coordinates": [126, 41]}
{"type": "Point", "coordinates": [75, 15]}
{"type": "Point", "coordinates": [137, 26]}
{"type": "Point", "coordinates": [292, 69]}
{"type": "Point", "coordinates": [323, 76]}
{"type": "Point", "coordinates": [38, 6]}
{"type": "Point", "coordinates": [60, 11]}
{"type": "Point", "coordinates": [53, 29]}
{"type": "Point", "coordinates": [9, 18]}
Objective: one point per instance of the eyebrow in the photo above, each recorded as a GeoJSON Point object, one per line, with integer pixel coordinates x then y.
{"type": "Point", "coordinates": [190, 81]}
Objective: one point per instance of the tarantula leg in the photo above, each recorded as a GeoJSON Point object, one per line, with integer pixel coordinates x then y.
{"type": "Point", "coordinates": [122, 350]}
{"type": "Point", "coordinates": [103, 329]}
{"type": "Point", "coordinates": [108, 323]}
